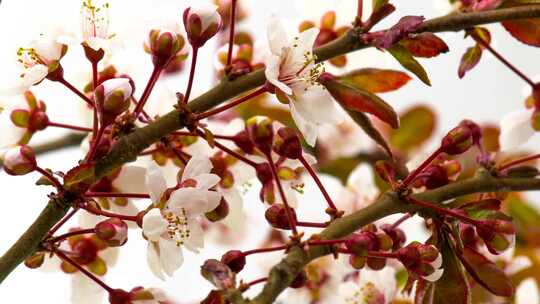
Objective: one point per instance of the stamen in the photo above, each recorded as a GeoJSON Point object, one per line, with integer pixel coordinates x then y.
{"type": "Point", "coordinates": [177, 227]}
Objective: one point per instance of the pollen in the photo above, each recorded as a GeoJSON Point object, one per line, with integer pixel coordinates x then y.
{"type": "Point", "coordinates": [177, 228]}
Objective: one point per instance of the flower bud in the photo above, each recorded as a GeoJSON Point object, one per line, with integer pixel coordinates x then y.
{"type": "Point", "coordinates": [457, 141]}
{"type": "Point", "coordinates": [397, 235]}
{"type": "Point", "coordinates": [19, 160]}
{"type": "Point", "coordinates": [119, 296]}
{"type": "Point", "coordinates": [300, 280]}
{"type": "Point", "coordinates": [287, 143]}
{"type": "Point", "coordinates": [434, 176]}
{"type": "Point", "coordinates": [276, 215]}
{"type": "Point", "coordinates": [242, 141]}
{"type": "Point", "coordinates": [264, 173]}
{"type": "Point", "coordinates": [113, 97]}
{"type": "Point", "coordinates": [357, 262]}
{"type": "Point", "coordinates": [498, 235]}
{"type": "Point", "coordinates": [467, 234]}
{"type": "Point", "coordinates": [113, 231]}
{"type": "Point", "coordinates": [421, 260]}
{"type": "Point", "coordinates": [361, 243]}
{"type": "Point", "coordinates": [217, 273]}
{"type": "Point", "coordinates": [164, 46]}
{"type": "Point", "coordinates": [385, 242]}
{"type": "Point", "coordinates": [35, 260]}
{"type": "Point", "coordinates": [376, 263]}
{"type": "Point", "coordinates": [476, 130]}
{"type": "Point", "coordinates": [261, 131]}
{"type": "Point", "coordinates": [235, 259]}
{"type": "Point", "coordinates": [201, 22]}
{"type": "Point", "coordinates": [219, 213]}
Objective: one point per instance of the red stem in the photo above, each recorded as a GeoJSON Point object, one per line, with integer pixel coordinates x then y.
{"type": "Point", "coordinates": [401, 220]}
{"type": "Point", "coordinates": [444, 211]}
{"type": "Point", "coordinates": [146, 93]}
{"type": "Point", "coordinates": [109, 214]}
{"type": "Point", "coordinates": [111, 194]}
{"type": "Point", "coordinates": [359, 11]}
{"type": "Point", "coordinates": [502, 59]}
{"type": "Point", "coordinates": [95, 124]}
{"type": "Point", "coordinates": [519, 161]}
{"type": "Point", "coordinates": [231, 152]}
{"type": "Point", "coordinates": [261, 280]}
{"type": "Point", "coordinates": [310, 224]}
{"type": "Point", "coordinates": [232, 104]}
{"type": "Point", "coordinates": [288, 212]}
{"type": "Point", "coordinates": [379, 254]}
{"type": "Point", "coordinates": [76, 91]}
{"type": "Point", "coordinates": [64, 257]}
{"type": "Point", "coordinates": [70, 234]}
{"type": "Point", "coordinates": [231, 31]}
{"type": "Point", "coordinates": [268, 249]}
{"type": "Point", "coordinates": [63, 221]}
{"type": "Point", "coordinates": [191, 75]}
{"type": "Point", "coordinates": [95, 144]}
{"type": "Point", "coordinates": [421, 168]}
{"type": "Point", "coordinates": [50, 177]}
{"type": "Point", "coordinates": [318, 182]}
{"type": "Point", "coordinates": [70, 127]}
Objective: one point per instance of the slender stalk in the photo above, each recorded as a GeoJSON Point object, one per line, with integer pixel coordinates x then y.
{"type": "Point", "coordinates": [254, 282]}
{"type": "Point", "coordinates": [70, 234]}
{"type": "Point", "coordinates": [109, 214]}
{"type": "Point", "coordinates": [401, 220]}
{"type": "Point", "coordinates": [290, 218]}
{"type": "Point", "coordinates": [63, 221]}
{"type": "Point", "coordinates": [50, 177]}
{"type": "Point", "coordinates": [147, 90]}
{"type": "Point", "coordinates": [518, 161]}
{"type": "Point", "coordinates": [95, 144]}
{"type": "Point", "coordinates": [191, 75]}
{"type": "Point", "coordinates": [231, 31]}
{"type": "Point", "coordinates": [77, 92]}
{"type": "Point", "coordinates": [218, 136]}
{"type": "Point", "coordinates": [318, 182]}
{"type": "Point", "coordinates": [380, 254]}
{"type": "Point", "coordinates": [310, 224]}
{"type": "Point", "coordinates": [90, 275]}
{"type": "Point", "coordinates": [111, 194]}
{"type": "Point", "coordinates": [410, 178]}
{"type": "Point", "coordinates": [232, 104]}
{"type": "Point", "coordinates": [504, 61]}
{"type": "Point", "coordinates": [359, 11]}
{"type": "Point", "coordinates": [69, 127]}
{"type": "Point", "coordinates": [268, 249]}
{"type": "Point", "coordinates": [444, 211]}
{"type": "Point", "coordinates": [95, 121]}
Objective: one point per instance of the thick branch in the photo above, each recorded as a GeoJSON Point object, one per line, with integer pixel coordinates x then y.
{"type": "Point", "coordinates": [389, 203]}
{"type": "Point", "coordinates": [129, 146]}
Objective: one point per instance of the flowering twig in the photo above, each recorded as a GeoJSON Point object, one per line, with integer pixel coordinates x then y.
{"type": "Point", "coordinates": [64, 257]}
{"type": "Point", "coordinates": [147, 90]}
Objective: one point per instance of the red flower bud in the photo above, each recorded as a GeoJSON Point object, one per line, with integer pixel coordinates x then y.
{"type": "Point", "coordinates": [261, 133]}
{"type": "Point", "coordinates": [498, 235]}
{"type": "Point", "coordinates": [434, 176]}
{"type": "Point", "coordinates": [277, 217]}
{"type": "Point", "coordinates": [19, 160]}
{"type": "Point", "coordinates": [476, 130]}
{"type": "Point", "coordinates": [457, 141]}
{"type": "Point", "coordinates": [235, 259]}
{"type": "Point", "coordinates": [397, 235]}
{"type": "Point", "coordinates": [287, 143]}
{"type": "Point", "coordinates": [361, 243]}
{"type": "Point", "coordinates": [113, 231]}
{"type": "Point", "coordinates": [119, 296]}
{"type": "Point", "coordinates": [243, 142]}
{"type": "Point", "coordinates": [164, 46]}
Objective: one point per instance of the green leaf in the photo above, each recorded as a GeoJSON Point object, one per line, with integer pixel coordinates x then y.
{"type": "Point", "coordinates": [79, 178]}
{"type": "Point", "coordinates": [417, 126]}
{"type": "Point", "coordinates": [405, 58]}
{"type": "Point", "coordinates": [486, 273]}
{"type": "Point", "coordinates": [363, 121]}
{"type": "Point", "coordinates": [376, 80]}
{"type": "Point", "coordinates": [377, 4]}
{"type": "Point", "coordinates": [469, 60]}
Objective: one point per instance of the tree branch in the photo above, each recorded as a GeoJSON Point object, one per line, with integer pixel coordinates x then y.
{"type": "Point", "coordinates": [128, 147]}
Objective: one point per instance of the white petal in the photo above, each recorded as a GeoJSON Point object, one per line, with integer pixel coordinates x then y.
{"type": "Point", "coordinates": [272, 70]}
{"type": "Point", "coordinates": [152, 258]}
{"type": "Point", "coordinates": [436, 275]}
{"type": "Point", "coordinates": [308, 129]}
{"type": "Point", "coordinates": [85, 291]}
{"type": "Point", "coordinates": [170, 255]}
{"type": "Point", "coordinates": [34, 75]}
{"type": "Point", "coordinates": [207, 180]}
{"type": "Point", "coordinates": [131, 179]}
{"type": "Point", "coordinates": [213, 199]}
{"type": "Point", "coordinates": [317, 105]}
{"type": "Point", "coordinates": [517, 264]}
{"type": "Point", "coordinates": [516, 129]}
{"type": "Point", "coordinates": [527, 292]}
{"type": "Point", "coordinates": [154, 224]}
{"type": "Point", "coordinates": [235, 219]}
{"type": "Point", "coordinates": [277, 36]}
{"type": "Point", "coordinates": [155, 182]}
{"type": "Point", "coordinates": [196, 236]}
{"type": "Point", "coordinates": [196, 166]}
{"type": "Point", "coordinates": [110, 255]}
{"type": "Point", "coordinates": [438, 262]}
{"type": "Point", "coordinates": [193, 200]}
{"type": "Point", "coordinates": [305, 42]}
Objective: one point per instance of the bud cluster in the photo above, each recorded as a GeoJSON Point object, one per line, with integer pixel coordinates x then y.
{"type": "Point", "coordinates": [421, 260]}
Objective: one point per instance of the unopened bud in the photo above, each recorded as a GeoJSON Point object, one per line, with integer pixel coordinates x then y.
{"type": "Point", "coordinates": [385, 241]}
{"type": "Point", "coordinates": [119, 296]}
{"type": "Point", "coordinates": [276, 215]}
{"type": "Point", "coordinates": [261, 132]}
{"type": "Point", "coordinates": [219, 213]}
{"type": "Point", "coordinates": [457, 141]}
{"type": "Point", "coordinates": [19, 160]}
{"type": "Point", "coordinates": [361, 243]}
{"type": "Point", "coordinates": [235, 259]}
{"type": "Point", "coordinates": [476, 130]}
{"type": "Point", "coordinates": [113, 97]}
{"type": "Point", "coordinates": [357, 262]}
{"type": "Point", "coordinates": [397, 235]}
{"type": "Point", "coordinates": [434, 176]}
{"type": "Point", "coordinates": [113, 231]}
{"type": "Point", "coordinates": [264, 173]}
{"type": "Point", "coordinates": [376, 263]}
{"type": "Point", "coordinates": [287, 143]}
{"type": "Point", "coordinates": [164, 46]}
{"type": "Point", "coordinates": [201, 22]}
{"type": "Point", "coordinates": [242, 141]}
{"type": "Point", "coordinates": [35, 260]}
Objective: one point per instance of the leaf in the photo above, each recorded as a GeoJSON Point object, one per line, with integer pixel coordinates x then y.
{"type": "Point", "coordinates": [79, 178]}
{"type": "Point", "coordinates": [469, 60]}
{"type": "Point", "coordinates": [425, 45]}
{"type": "Point", "coordinates": [387, 38]}
{"type": "Point", "coordinates": [363, 121]}
{"type": "Point", "coordinates": [377, 4]}
{"type": "Point", "coordinates": [417, 126]}
{"type": "Point", "coordinates": [354, 99]}
{"type": "Point", "coordinates": [486, 273]}
{"type": "Point", "coordinates": [452, 287]}
{"type": "Point", "coordinates": [525, 218]}
{"type": "Point", "coordinates": [487, 204]}
{"type": "Point", "coordinates": [524, 30]}
{"type": "Point", "coordinates": [376, 80]}
{"type": "Point", "coordinates": [405, 58]}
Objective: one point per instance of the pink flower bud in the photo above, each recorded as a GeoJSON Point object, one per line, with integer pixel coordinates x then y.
{"type": "Point", "coordinates": [219, 213]}
{"type": "Point", "coordinates": [113, 97]}
{"type": "Point", "coordinates": [457, 141]}
{"type": "Point", "coordinates": [434, 176]}
{"type": "Point", "coordinates": [421, 260]}
{"type": "Point", "coordinates": [201, 22]}
{"type": "Point", "coordinates": [277, 217]}
{"type": "Point", "coordinates": [19, 160]}
{"type": "Point", "coordinates": [164, 46]}
{"type": "Point", "coordinates": [476, 130]}
{"type": "Point", "coordinates": [235, 259]}
{"type": "Point", "coordinates": [287, 143]}
{"type": "Point", "coordinates": [113, 231]}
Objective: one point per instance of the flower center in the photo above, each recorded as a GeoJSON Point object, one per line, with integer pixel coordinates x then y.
{"type": "Point", "coordinates": [28, 57]}
{"type": "Point", "coordinates": [177, 228]}
{"type": "Point", "coordinates": [95, 20]}
{"type": "Point", "coordinates": [368, 294]}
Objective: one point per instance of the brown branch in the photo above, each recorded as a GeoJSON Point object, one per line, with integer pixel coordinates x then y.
{"type": "Point", "coordinates": [128, 147]}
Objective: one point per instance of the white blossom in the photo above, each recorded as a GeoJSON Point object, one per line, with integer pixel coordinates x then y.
{"type": "Point", "coordinates": [516, 129]}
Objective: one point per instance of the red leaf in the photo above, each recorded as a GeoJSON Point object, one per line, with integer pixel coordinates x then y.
{"type": "Point", "coordinates": [524, 30]}
{"type": "Point", "coordinates": [359, 100]}
{"type": "Point", "coordinates": [425, 45]}
{"type": "Point", "coordinates": [376, 80]}
{"type": "Point", "coordinates": [486, 273]}
{"type": "Point", "coordinates": [469, 60]}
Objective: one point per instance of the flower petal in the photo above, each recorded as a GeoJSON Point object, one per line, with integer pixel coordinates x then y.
{"type": "Point", "coordinates": [207, 180]}
{"type": "Point", "coordinates": [152, 258]}
{"type": "Point", "coordinates": [277, 36]}
{"type": "Point", "coordinates": [193, 200]}
{"type": "Point", "coordinates": [317, 105]}
{"type": "Point", "coordinates": [131, 179]}
{"type": "Point", "coordinates": [196, 236]}
{"type": "Point", "coordinates": [308, 129]}
{"type": "Point", "coordinates": [272, 70]}
{"type": "Point", "coordinates": [171, 256]}
{"type": "Point", "coordinates": [436, 275]}
{"type": "Point", "coordinates": [196, 166]}
{"type": "Point", "coordinates": [154, 224]}
{"type": "Point", "coordinates": [155, 182]}
{"type": "Point", "coordinates": [516, 129]}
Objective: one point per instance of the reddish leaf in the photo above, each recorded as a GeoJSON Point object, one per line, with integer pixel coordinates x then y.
{"type": "Point", "coordinates": [524, 30]}
{"type": "Point", "coordinates": [386, 39]}
{"type": "Point", "coordinates": [425, 45]}
{"type": "Point", "coordinates": [376, 80]}
{"type": "Point", "coordinates": [487, 204]}
{"type": "Point", "coordinates": [418, 124]}
{"type": "Point", "coordinates": [469, 60]}
{"type": "Point", "coordinates": [486, 273]}
{"type": "Point", "coordinates": [405, 58]}
{"type": "Point", "coordinates": [358, 100]}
